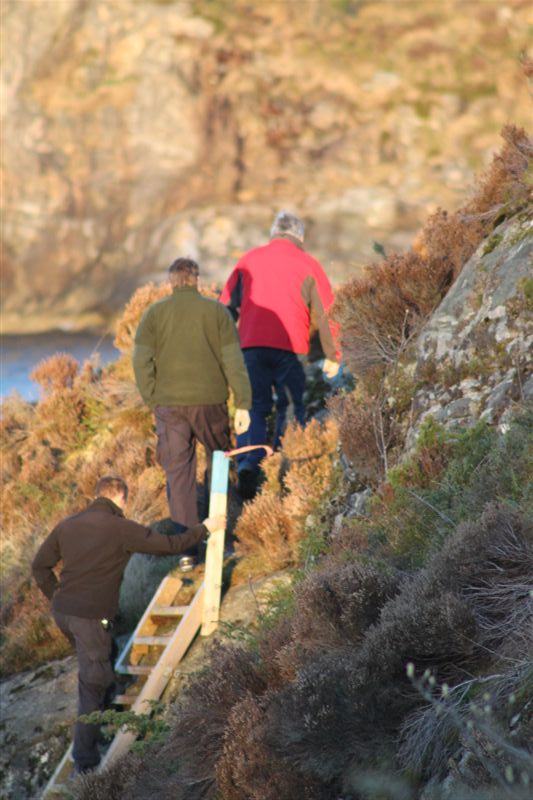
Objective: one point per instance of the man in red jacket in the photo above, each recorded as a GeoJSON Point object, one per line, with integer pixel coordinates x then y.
{"type": "Point", "coordinates": [276, 292]}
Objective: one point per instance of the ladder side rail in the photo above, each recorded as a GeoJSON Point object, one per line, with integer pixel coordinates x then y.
{"type": "Point", "coordinates": [63, 770]}
{"type": "Point", "coordinates": [218, 503]}
{"type": "Point", "coordinates": [161, 673]}
{"type": "Point", "coordinates": [168, 579]}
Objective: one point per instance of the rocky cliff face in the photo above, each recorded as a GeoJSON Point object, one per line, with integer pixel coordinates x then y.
{"type": "Point", "coordinates": [473, 355]}
{"type": "Point", "coordinates": [138, 131]}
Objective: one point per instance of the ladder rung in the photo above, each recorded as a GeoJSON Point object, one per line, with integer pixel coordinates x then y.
{"type": "Point", "coordinates": [159, 641]}
{"type": "Point", "coordinates": [134, 669]}
{"type": "Point", "coordinates": [169, 611]}
{"type": "Point", "coordinates": [125, 699]}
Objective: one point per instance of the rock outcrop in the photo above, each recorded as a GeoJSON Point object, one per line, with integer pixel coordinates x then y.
{"type": "Point", "coordinates": [473, 357]}
{"type": "Point", "coordinates": [138, 131]}
{"type": "Point", "coordinates": [38, 708]}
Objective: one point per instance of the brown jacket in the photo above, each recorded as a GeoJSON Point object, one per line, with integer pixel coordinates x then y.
{"type": "Point", "coordinates": [95, 547]}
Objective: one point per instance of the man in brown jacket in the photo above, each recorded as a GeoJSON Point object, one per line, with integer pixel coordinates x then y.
{"type": "Point", "coordinates": [95, 547]}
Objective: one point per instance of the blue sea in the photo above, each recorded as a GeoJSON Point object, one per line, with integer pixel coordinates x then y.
{"type": "Point", "coordinates": [20, 354]}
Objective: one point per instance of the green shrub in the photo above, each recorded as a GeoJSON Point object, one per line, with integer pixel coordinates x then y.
{"type": "Point", "coordinates": [450, 477]}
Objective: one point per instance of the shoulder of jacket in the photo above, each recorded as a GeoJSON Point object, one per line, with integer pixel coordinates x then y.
{"type": "Point", "coordinates": [210, 303]}
{"type": "Point", "coordinates": [250, 254]}
{"type": "Point", "coordinates": [154, 307]}
{"type": "Point", "coordinates": [314, 265]}
{"type": "Point", "coordinates": [71, 518]}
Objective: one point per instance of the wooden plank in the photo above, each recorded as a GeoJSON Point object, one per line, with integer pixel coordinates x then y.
{"type": "Point", "coordinates": [153, 641]}
{"type": "Point", "coordinates": [164, 595]}
{"type": "Point", "coordinates": [169, 611]}
{"type": "Point", "coordinates": [135, 669]}
{"type": "Point", "coordinates": [125, 699]}
{"type": "Point", "coordinates": [214, 559]}
{"type": "Point", "coordinates": [161, 673]}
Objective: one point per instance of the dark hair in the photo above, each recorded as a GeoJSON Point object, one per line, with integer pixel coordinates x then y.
{"type": "Point", "coordinates": [111, 484]}
{"type": "Point", "coordinates": [184, 272]}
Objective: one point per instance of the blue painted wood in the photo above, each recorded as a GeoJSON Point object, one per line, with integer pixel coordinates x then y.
{"type": "Point", "coordinates": [220, 473]}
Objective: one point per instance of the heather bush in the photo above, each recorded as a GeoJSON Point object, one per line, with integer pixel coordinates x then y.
{"type": "Point", "coordinates": [477, 716]}
{"type": "Point", "coordinates": [345, 708]}
{"type": "Point", "coordinates": [197, 738]}
{"type": "Point", "coordinates": [135, 308]}
{"type": "Point", "coordinates": [336, 603]}
{"type": "Point", "coordinates": [56, 373]}
{"type": "Point", "coordinates": [114, 783]}
{"type": "Point", "coordinates": [29, 634]}
{"type": "Point", "coordinates": [450, 477]}
{"type": "Point", "coordinates": [249, 769]}
{"type": "Point", "coordinates": [380, 311]}
{"type": "Point", "coordinates": [271, 528]}
{"type": "Point", "coordinates": [505, 182]}
{"type": "Point", "coordinates": [266, 534]}
{"type": "Point", "coordinates": [367, 432]}
{"type": "Point", "coordinates": [310, 457]}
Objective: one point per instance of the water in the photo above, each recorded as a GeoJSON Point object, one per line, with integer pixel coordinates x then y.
{"type": "Point", "coordinates": [20, 354]}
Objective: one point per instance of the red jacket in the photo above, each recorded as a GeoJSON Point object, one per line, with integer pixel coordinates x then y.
{"type": "Point", "coordinates": [276, 290]}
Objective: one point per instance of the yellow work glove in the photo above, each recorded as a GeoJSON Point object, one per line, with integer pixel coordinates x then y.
{"type": "Point", "coordinates": [330, 368]}
{"type": "Point", "coordinates": [242, 421]}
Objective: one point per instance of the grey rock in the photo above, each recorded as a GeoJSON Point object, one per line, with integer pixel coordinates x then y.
{"type": "Point", "coordinates": [38, 709]}
{"type": "Point", "coordinates": [457, 409]}
{"type": "Point", "coordinates": [527, 389]}
{"type": "Point", "coordinates": [481, 330]}
{"type": "Point", "coordinates": [358, 503]}
{"type": "Point", "coordinates": [498, 400]}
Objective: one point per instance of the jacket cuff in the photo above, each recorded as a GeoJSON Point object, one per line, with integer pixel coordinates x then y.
{"type": "Point", "coordinates": [203, 532]}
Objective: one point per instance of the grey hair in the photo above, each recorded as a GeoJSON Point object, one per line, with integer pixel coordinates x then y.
{"type": "Point", "coordinates": [287, 223]}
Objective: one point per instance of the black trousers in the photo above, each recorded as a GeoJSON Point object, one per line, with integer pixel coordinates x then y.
{"type": "Point", "coordinates": [178, 429]}
{"type": "Point", "coordinates": [271, 370]}
{"type": "Point", "coordinates": [95, 677]}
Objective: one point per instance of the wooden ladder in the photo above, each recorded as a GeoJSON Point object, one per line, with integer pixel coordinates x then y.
{"type": "Point", "coordinates": [152, 655]}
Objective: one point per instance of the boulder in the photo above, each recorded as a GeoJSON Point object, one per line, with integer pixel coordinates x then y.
{"type": "Point", "coordinates": [477, 344]}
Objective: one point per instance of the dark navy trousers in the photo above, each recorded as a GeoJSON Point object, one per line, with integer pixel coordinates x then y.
{"type": "Point", "coordinates": [277, 378]}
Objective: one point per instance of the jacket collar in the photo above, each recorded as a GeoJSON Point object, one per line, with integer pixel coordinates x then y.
{"type": "Point", "coordinates": [105, 504]}
{"type": "Point", "coordinates": [287, 237]}
{"type": "Point", "coordinates": [179, 289]}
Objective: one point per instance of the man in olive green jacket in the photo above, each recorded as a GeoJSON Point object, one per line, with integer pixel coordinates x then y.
{"type": "Point", "coordinates": [186, 358]}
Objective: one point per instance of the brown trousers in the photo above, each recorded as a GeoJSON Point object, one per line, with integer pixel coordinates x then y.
{"type": "Point", "coordinates": [95, 677]}
{"type": "Point", "coordinates": [178, 429]}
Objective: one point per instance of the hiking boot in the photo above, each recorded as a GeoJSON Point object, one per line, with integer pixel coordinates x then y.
{"type": "Point", "coordinates": [247, 484]}
{"type": "Point", "coordinates": [83, 770]}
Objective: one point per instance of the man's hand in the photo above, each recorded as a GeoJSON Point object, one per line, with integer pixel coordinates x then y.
{"type": "Point", "coordinates": [215, 523]}
{"type": "Point", "coordinates": [242, 421]}
{"type": "Point", "coordinates": [330, 368]}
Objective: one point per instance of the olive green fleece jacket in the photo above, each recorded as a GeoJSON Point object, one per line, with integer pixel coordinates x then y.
{"type": "Point", "coordinates": [187, 353]}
